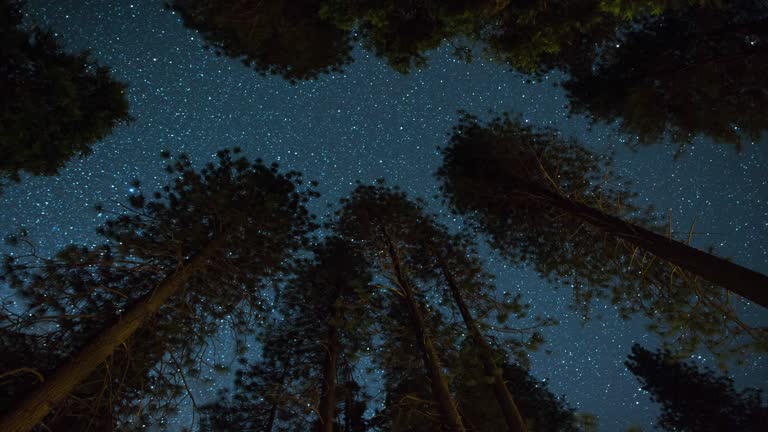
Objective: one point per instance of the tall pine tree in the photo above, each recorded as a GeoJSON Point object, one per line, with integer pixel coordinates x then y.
{"type": "Point", "coordinates": [180, 262]}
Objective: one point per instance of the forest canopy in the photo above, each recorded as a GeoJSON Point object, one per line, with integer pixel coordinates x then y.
{"type": "Point", "coordinates": [228, 295]}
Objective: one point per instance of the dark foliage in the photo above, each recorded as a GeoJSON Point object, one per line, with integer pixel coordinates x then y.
{"type": "Point", "coordinates": [287, 38]}
{"type": "Point", "coordinates": [541, 409]}
{"type": "Point", "coordinates": [247, 209]}
{"type": "Point", "coordinates": [54, 105]}
{"type": "Point", "coordinates": [686, 73]}
{"type": "Point", "coordinates": [694, 399]}
{"type": "Point", "coordinates": [519, 185]}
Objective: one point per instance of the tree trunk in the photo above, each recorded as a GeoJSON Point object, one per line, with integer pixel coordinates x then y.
{"type": "Point", "coordinates": [348, 401]}
{"type": "Point", "coordinates": [512, 416]}
{"type": "Point", "coordinates": [450, 416]}
{"type": "Point", "coordinates": [328, 391]}
{"type": "Point", "coordinates": [272, 417]}
{"type": "Point", "coordinates": [740, 280]}
{"type": "Point", "coordinates": [273, 409]}
{"type": "Point", "coordinates": [33, 409]}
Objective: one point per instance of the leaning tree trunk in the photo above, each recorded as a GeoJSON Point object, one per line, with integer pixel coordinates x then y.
{"type": "Point", "coordinates": [448, 412]}
{"type": "Point", "coordinates": [328, 389]}
{"type": "Point", "coordinates": [509, 409]}
{"type": "Point", "coordinates": [33, 409]}
{"type": "Point", "coordinates": [740, 280]}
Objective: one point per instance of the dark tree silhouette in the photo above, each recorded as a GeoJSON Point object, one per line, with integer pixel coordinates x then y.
{"type": "Point", "coordinates": [322, 326]}
{"type": "Point", "coordinates": [325, 307]}
{"type": "Point", "coordinates": [454, 263]}
{"type": "Point", "coordinates": [260, 403]}
{"type": "Point", "coordinates": [699, 70]}
{"type": "Point", "coordinates": [546, 199]}
{"type": "Point", "coordinates": [55, 105]}
{"type": "Point", "coordinates": [409, 404]}
{"type": "Point", "coordinates": [287, 38]}
{"type": "Point", "coordinates": [258, 396]}
{"type": "Point", "coordinates": [543, 411]}
{"type": "Point", "coordinates": [403, 31]}
{"type": "Point", "coordinates": [177, 266]}
{"type": "Point", "coordinates": [537, 36]}
{"type": "Point", "coordinates": [384, 226]}
{"type": "Point", "coordinates": [696, 399]}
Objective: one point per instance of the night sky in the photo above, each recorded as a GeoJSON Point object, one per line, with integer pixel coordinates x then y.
{"type": "Point", "coordinates": [368, 123]}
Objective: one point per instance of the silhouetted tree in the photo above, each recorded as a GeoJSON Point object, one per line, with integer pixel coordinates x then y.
{"type": "Point", "coordinates": [456, 266]}
{"type": "Point", "coordinates": [409, 403]}
{"type": "Point", "coordinates": [545, 199]}
{"type": "Point", "coordinates": [543, 411]}
{"type": "Point", "coordinates": [279, 391]}
{"type": "Point", "coordinates": [55, 105]}
{"type": "Point", "coordinates": [403, 31]}
{"type": "Point", "coordinates": [324, 304]}
{"type": "Point", "coordinates": [258, 395]}
{"type": "Point", "coordinates": [170, 271]}
{"type": "Point", "coordinates": [698, 70]}
{"type": "Point", "coordinates": [696, 399]}
{"type": "Point", "coordinates": [321, 309]}
{"type": "Point", "coordinates": [384, 226]}
{"type": "Point", "coordinates": [537, 36]}
{"type": "Point", "coordinates": [287, 38]}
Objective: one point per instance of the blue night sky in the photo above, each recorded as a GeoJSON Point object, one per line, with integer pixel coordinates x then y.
{"type": "Point", "coordinates": [372, 122]}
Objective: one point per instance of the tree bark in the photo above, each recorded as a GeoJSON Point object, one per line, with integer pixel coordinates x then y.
{"type": "Point", "coordinates": [328, 391]}
{"type": "Point", "coordinates": [448, 412]}
{"type": "Point", "coordinates": [35, 406]}
{"type": "Point", "coordinates": [504, 398]}
{"type": "Point", "coordinates": [747, 283]}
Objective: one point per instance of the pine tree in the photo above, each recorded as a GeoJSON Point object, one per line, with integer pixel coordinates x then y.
{"type": "Point", "coordinates": [179, 263]}
{"type": "Point", "coordinates": [325, 303]}
{"type": "Point", "coordinates": [464, 276]}
{"type": "Point", "coordinates": [697, 70]}
{"type": "Point", "coordinates": [287, 38]}
{"type": "Point", "coordinates": [696, 399]}
{"type": "Point", "coordinates": [55, 105]}
{"type": "Point", "coordinates": [384, 226]}
{"type": "Point", "coordinates": [320, 326]}
{"type": "Point", "coordinates": [545, 199]}
{"type": "Point", "coordinates": [543, 411]}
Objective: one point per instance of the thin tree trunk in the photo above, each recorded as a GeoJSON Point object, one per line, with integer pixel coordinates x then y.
{"type": "Point", "coordinates": [272, 417]}
{"type": "Point", "coordinates": [740, 280]}
{"type": "Point", "coordinates": [33, 409]}
{"type": "Point", "coordinates": [328, 390]}
{"type": "Point", "coordinates": [504, 398]}
{"type": "Point", "coordinates": [348, 401]}
{"type": "Point", "coordinates": [448, 412]}
{"type": "Point", "coordinates": [273, 408]}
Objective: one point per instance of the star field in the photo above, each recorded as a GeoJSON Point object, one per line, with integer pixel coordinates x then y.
{"type": "Point", "coordinates": [371, 122]}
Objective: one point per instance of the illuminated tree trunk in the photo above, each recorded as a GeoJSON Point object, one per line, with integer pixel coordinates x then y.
{"type": "Point", "coordinates": [740, 280]}
{"type": "Point", "coordinates": [506, 402]}
{"type": "Point", "coordinates": [33, 409]}
{"type": "Point", "coordinates": [448, 412]}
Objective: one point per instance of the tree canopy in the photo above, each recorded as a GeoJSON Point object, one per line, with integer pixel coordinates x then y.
{"type": "Point", "coordinates": [286, 38]}
{"type": "Point", "coordinates": [546, 199]}
{"type": "Point", "coordinates": [691, 72]}
{"type": "Point", "coordinates": [693, 398]}
{"type": "Point", "coordinates": [55, 105]}
{"type": "Point", "coordinates": [171, 270]}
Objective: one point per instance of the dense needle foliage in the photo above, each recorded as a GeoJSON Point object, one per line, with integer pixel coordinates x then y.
{"type": "Point", "coordinates": [694, 398]}
{"type": "Point", "coordinates": [55, 105]}
{"type": "Point", "coordinates": [250, 213]}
